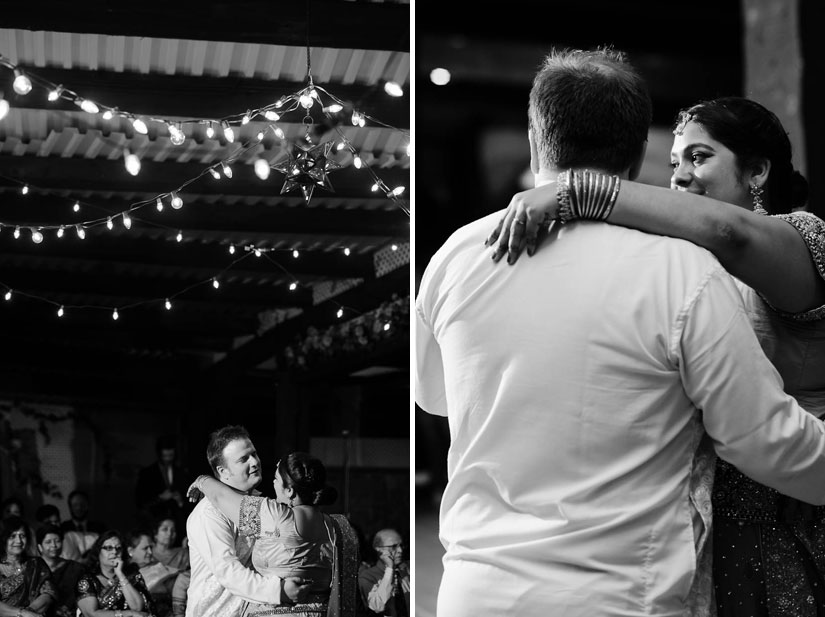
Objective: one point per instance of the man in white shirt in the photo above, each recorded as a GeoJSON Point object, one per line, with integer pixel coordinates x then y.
{"type": "Point", "coordinates": [581, 386]}
{"type": "Point", "coordinates": [385, 586]}
{"type": "Point", "coordinates": [222, 580]}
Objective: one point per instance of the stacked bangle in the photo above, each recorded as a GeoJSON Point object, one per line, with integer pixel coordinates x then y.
{"type": "Point", "coordinates": [586, 195]}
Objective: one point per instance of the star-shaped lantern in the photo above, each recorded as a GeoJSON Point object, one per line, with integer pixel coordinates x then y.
{"type": "Point", "coordinates": [307, 167]}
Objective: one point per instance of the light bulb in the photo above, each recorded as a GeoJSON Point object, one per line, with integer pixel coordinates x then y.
{"type": "Point", "coordinates": [346, 251]}
{"type": "Point", "coordinates": [55, 94]}
{"type": "Point", "coordinates": [177, 202]}
{"type": "Point", "coordinates": [279, 103]}
{"type": "Point", "coordinates": [76, 206]}
{"type": "Point", "coordinates": [214, 173]}
{"type": "Point", "coordinates": [313, 93]}
{"type": "Point", "coordinates": [262, 169]}
{"type": "Point", "coordinates": [393, 89]}
{"type": "Point", "coordinates": [210, 131]}
{"type": "Point", "coordinates": [386, 327]}
{"type": "Point", "coordinates": [246, 117]}
{"type": "Point", "coordinates": [257, 252]}
{"type": "Point", "coordinates": [109, 223]}
{"type": "Point", "coordinates": [394, 247]}
{"type": "Point", "coordinates": [60, 311]}
{"type": "Point", "coordinates": [176, 135]}
{"type": "Point", "coordinates": [355, 118]}
{"type": "Point", "coordinates": [25, 189]}
{"type": "Point", "coordinates": [271, 116]}
{"type": "Point", "coordinates": [215, 283]}
{"type": "Point", "coordinates": [37, 236]}
{"type": "Point", "coordinates": [22, 84]}
{"type": "Point", "coordinates": [168, 305]}
{"type": "Point", "coordinates": [159, 204]}
{"type": "Point", "coordinates": [398, 190]}
{"type": "Point", "coordinates": [228, 132]}
{"type": "Point", "coordinates": [127, 221]}
{"type": "Point", "coordinates": [340, 313]}
{"type": "Point", "coordinates": [340, 146]}
{"type": "Point", "coordinates": [115, 315]}
{"type": "Point", "coordinates": [108, 114]}
{"type": "Point", "coordinates": [334, 108]}
{"type": "Point", "coordinates": [374, 187]}
{"type": "Point", "coordinates": [90, 107]}
{"type": "Point", "coordinates": [132, 162]}
{"type": "Point", "coordinates": [179, 237]}
{"type": "Point", "coordinates": [306, 101]}
{"type": "Point", "coordinates": [440, 77]}
{"type": "Point", "coordinates": [16, 232]}
{"type": "Point", "coordinates": [81, 233]}
{"type": "Point", "coordinates": [260, 136]}
{"type": "Point", "coordinates": [279, 133]}
{"type": "Point", "coordinates": [61, 230]}
{"type": "Point", "coordinates": [293, 286]}
{"type": "Point", "coordinates": [227, 170]}
{"type": "Point", "coordinates": [4, 108]}
{"type": "Point", "coordinates": [231, 249]}
{"type": "Point", "coordinates": [140, 126]}
{"type": "Point", "coordinates": [295, 253]}
{"type": "Point", "coordinates": [357, 162]}
{"type": "Point", "coordinates": [8, 295]}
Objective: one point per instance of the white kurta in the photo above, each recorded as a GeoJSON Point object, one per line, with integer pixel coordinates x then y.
{"type": "Point", "coordinates": [221, 576]}
{"type": "Point", "coordinates": [573, 383]}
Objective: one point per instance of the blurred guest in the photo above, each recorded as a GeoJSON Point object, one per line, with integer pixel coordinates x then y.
{"type": "Point", "coordinates": [47, 514]}
{"type": "Point", "coordinates": [65, 572]}
{"type": "Point", "coordinates": [162, 485]}
{"type": "Point", "coordinates": [159, 578]}
{"type": "Point", "coordinates": [385, 586]}
{"type": "Point", "coordinates": [26, 589]}
{"type": "Point", "coordinates": [165, 551]}
{"type": "Point", "coordinates": [79, 512]}
{"type": "Point", "coordinates": [109, 584]}
{"type": "Point", "coordinates": [11, 506]}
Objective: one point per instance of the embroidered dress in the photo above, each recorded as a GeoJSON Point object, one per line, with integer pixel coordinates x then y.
{"type": "Point", "coordinates": [21, 588]}
{"type": "Point", "coordinates": [110, 597]}
{"type": "Point", "coordinates": [281, 550]}
{"type": "Point", "coordinates": [769, 549]}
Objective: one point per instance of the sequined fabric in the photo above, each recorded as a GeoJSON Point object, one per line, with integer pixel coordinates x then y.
{"type": "Point", "coordinates": [249, 520]}
{"type": "Point", "coordinates": [315, 606]}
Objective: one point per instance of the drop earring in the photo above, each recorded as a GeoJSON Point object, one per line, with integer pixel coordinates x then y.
{"type": "Point", "coordinates": [756, 193]}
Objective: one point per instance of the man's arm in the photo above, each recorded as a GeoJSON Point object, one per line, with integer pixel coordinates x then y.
{"type": "Point", "coordinates": [381, 592]}
{"type": "Point", "coordinates": [214, 540]}
{"type": "Point", "coordinates": [753, 423]}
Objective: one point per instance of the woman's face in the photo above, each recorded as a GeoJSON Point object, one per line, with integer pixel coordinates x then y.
{"type": "Point", "coordinates": [16, 544]}
{"type": "Point", "coordinates": [705, 166]}
{"type": "Point", "coordinates": [142, 553]}
{"type": "Point", "coordinates": [166, 533]}
{"type": "Point", "coordinates": [51, 546]}
{"type": "Point", "coordinates": [278, 483]}
{"type": "Point", "coordinates": [110, 552]}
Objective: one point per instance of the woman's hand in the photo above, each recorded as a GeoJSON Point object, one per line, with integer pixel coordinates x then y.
{"type": "Point", "coordinates": [194, 493]}
{"type": "Point", "coordinates": [528, 215]}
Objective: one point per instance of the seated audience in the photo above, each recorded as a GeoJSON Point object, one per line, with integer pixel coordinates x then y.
{"type": "Point", "coordinates": [65, 572]}
{"type": "Point", "coordinates": [26, 589]}
{"type": "Point", "coordinates": [159, 578]}
{"type": "Point", "coordinates": [385, 586]}
{"type": "Point", "coordinates": [79, 512]}
{"type": "Point", "coordinates": [164, 550]}
{"type": "Point", "coordinates": [110, 583]}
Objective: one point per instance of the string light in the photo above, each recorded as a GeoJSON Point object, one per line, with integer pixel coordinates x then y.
{"type": "Point", "coordinates": [271, 115]}
{"type": "Point", "coordinates": [340, 313]}
{"type": "Point", "coordinates": [292, 286]}
{"type": "Point", "coordinates": [37, 236]}
{"type": "Point", "coordinates": [279, 133]}
{"type": "Point", "coordinates": [177, 202]}
{"type": "Point", "coordinates": [227, 170]}
{"type": "Point", "coordinates": [81, 233]}
{"type": "Point", "coordinates": [295, 253]}
{"type": "Point", "coordinates": [109, 114]}
{"type": "Point", "coordinates": [60, 311]}
{"type": "Point", "coordinates": [398, 190]}
{"type": "Point", "coordinates": [357, 162]}
{"type": "Point", "coordinates": [262, 168]}
{"type": "Point", "coordinates": [386, 327]}
{"type": "Point", "coordinates": [140, 126]}
{"type": "Point", "coordinates": [228, 133]}
{"type": "Point", "coordinates": [246, 117]}
{"type": "Point", "coordinates": [214, 173]}
{"type": "Point", "coordinates": [159, 204]}
{"type": "Point", "coordinates": [168, 305]}
{"type": "Point", "coordinates": [231, 249]}
{"type": "Point", "coordinates": [127, 221]}
{"type": "Point", "coordinates": [76, 206]}
{"type": "Point", "coordinates": [8, 295]}
{"type": "Point", "coordinates": [306, 101]}
{"type": "Point", "coordinates": [257, 252]}
{"type": "Point", "coordinates": [16, 232]}
{"type": "Point", "coordinates": [394, 247]}
{"type": "Point", "coordinates": [22, 84]}
{"type": "Point", "coordinates": [215, 283]}
{"type": "Point", "coordinates": [55, 94]}
{"type": "Point", "coordinates": [61, 231]}
{"type": "Point", "coordinates": [25, 189]}
{"type": "Point", "coordinates": [176, 135]}
{"type": "Point", "coordinates": [179, 237]}
{"type": "Point", "coordinates": [260, 136]}
{"type": "Point", "coordinates": [210, 131]}
{"type": "Point", "coordinates": [346, 251]}
{"type": "Point", "coordinates": [109, 224]}
{"type": "Point", "coordinates": [393, 89]}
{"type": "Point", "coordinates": [90, 107]}
{"type": "Point", "coordinates": [132, 162]}
{"type": "Point", "coordinates": [334, 108]}
{"type": "Point", "coordinates": [115, 316]}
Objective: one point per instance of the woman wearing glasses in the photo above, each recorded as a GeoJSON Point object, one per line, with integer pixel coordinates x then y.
{"type": "Point", "coordinates": [108, 589]}
{"type": "Point", "coordinates": [293, 537]}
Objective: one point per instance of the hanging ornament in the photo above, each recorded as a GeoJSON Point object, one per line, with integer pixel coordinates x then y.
{"type": "Point", "coordinates": [307, 167]}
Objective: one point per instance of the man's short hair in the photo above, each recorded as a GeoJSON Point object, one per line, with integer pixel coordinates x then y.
{"type": "Point", "coordinates": [589, 108]}
{"type": "Point", "coordinates": [218, 440]}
